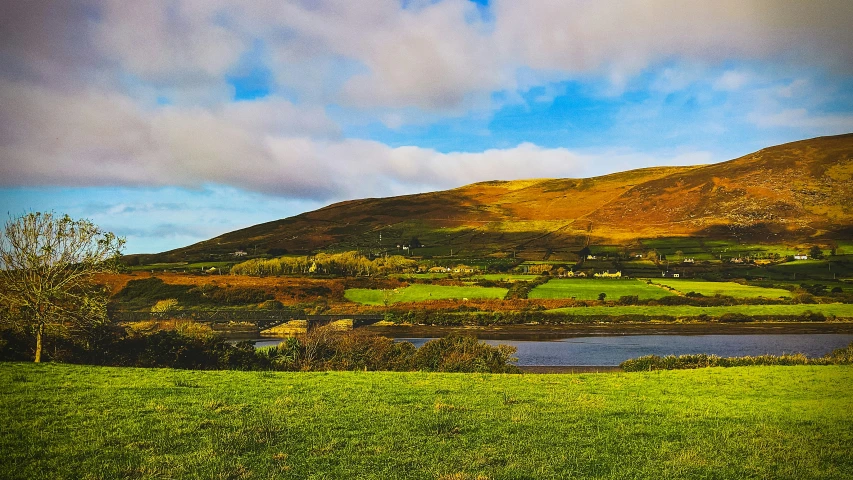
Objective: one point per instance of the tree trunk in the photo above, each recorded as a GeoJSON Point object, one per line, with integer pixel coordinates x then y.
{"type": "Point", "coordinates": [39, 335]}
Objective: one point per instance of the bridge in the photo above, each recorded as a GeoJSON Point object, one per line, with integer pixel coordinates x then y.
{"type": "Point", "coordinates": [263, 319]}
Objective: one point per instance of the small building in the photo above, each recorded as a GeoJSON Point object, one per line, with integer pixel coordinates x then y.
{"type": "Point", "coordinates": [463, 269]}
{"type": "Point", "coordinates": [800, 256]}
{"type": "Point", "coordinates": [689, 260]}
{"type": "Point", "coordinates": [439, 270]}
{"type": "Point", "coordinates": [591, 257]}
{"type": "Point", "coordinates": [609, 274]}
{"type": "Point", "coordinates": [239, 253]}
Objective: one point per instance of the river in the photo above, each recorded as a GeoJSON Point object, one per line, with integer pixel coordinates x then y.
{"type": "Point", "coordinates": [611, 350]}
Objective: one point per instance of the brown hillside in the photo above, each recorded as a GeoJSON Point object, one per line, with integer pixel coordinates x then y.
{"type": "Point", "coordinates": [787, 193]}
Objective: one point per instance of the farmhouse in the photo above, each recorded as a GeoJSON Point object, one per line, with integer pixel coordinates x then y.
{"type": "Point", "coordinates": [800, 256]}
{"type": "Point", "coordinates": [689, 260]}
{"type": "Point", "coordinates": [591, 257]}
{"type": "Point", "coordinates": [463, 269]}
{"type": "Point", "coordinates": [239, 253]}
{"type": "Point", "coordinates": [439, 270]}
{"type": "Point", "coordinates": [609, 274]}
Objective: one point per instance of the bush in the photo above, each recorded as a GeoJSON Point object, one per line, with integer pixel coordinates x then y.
{"type": "Point", "coordinates": [841, 356]}
{"type": "Point", "coordinates": [735, 318]}
{"type": "Point", "coordinates": [456, 353]}
{"type": "Point", "coordinates": [272, 305]}
{"type": "Point", "coordinates": [809, 316]}
{"type": "Point", "coordinates": [629, 300]}
{"type": "Point", "coordinates": [165, 305]}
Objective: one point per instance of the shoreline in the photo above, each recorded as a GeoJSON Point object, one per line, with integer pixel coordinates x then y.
{"type": "Point", "coordinates": [568, 369]}
{"type": "Point", "coordinates": [552, 332]}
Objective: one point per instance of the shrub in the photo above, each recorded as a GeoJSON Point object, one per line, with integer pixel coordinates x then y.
{"type": "Point", "coordinates": [456, 353]}
{"type": "Point", "coordinates": [809, 316]}
{"type": "Point", "coordinates": [735, 318]}
{"type": "Point", "coordinates": [841, 356]}
{"type": "Point", "coordinates": [629, 300]}
{"type": "Point", "coordinates": [165, 305]}
{"type": "Point", "coordinates": [272, 305]}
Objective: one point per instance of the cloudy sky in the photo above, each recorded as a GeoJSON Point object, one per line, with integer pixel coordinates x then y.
{"type": "Point", "coordinates": [171, 121]}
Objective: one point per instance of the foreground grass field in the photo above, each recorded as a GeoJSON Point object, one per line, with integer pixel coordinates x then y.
{"type": "Point", "coordinates": [420, 293]}
{"type": "Point", "coordinates": [64, 421]}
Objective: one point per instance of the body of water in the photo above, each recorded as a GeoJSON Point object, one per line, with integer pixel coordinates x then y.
{"type": "Point", "coordinates": [613, 350]}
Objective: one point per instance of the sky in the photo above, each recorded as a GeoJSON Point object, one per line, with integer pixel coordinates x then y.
{"type": "Point", "coordinates": [172, 121]}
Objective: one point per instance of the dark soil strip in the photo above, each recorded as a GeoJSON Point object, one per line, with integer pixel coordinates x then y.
{"type": "Point", "coordinates": [550, 332]}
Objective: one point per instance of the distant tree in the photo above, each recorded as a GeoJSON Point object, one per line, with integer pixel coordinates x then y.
{"type": "Point", "coordinates": [415, 243]}
{"type": "Point", "coordinates": [47, 264]}
{"type": "Point", "coordinates": [816, 252]}
{"type": "Point", "coordinates": [602, 296]}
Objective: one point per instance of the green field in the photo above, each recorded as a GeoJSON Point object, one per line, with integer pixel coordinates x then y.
{"type": "Point", "coordinates": [843, 310]}
{"type": "Point", "coordinates": [506, 277]}
{"type": "Point", "coordinates": [420, 293]}
{"type": "Point", "coordinates": [731, 289]}
{"type": "Point", "coordinates": [588, 289]}
{"type": "Point", "coordinates": [181, 266]}
{"type": "Point", "coordinates": [66, 421]}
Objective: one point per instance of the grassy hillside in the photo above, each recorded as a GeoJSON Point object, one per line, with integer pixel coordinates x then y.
{"type": "Point", "coordinates": [64, 421]}
{"type": "Point", "coordinates": [792, 193]}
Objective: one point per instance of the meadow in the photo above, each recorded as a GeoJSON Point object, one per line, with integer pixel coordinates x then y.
{"type": "Point", "coordinates": [589, 289]}
{"type": "Point", "coordinates": [731, 289]}
{"type": "Point", "coordinates": [67, 421]}
{"type": "Point", "coordinates": [420, 293]}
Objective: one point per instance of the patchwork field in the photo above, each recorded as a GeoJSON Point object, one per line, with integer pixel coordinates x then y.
{"type": "Point", "coordinates": [421, 293]}
{"type": "Point", "coordinates": [67, 421]}
{"type": "Point", "coordinates": [731, 289]}
{"type": "Point", "coordinates": [589, 289]}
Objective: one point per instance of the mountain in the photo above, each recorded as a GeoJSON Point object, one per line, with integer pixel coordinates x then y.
{"type": "Point", "coordinates": [792, 193]}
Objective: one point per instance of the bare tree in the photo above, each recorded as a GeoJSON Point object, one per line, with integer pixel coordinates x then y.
{"type": "Point", "coordinates": [47, 265]}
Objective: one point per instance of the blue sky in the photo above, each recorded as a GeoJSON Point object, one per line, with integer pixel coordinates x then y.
{"type": "Point", "coordinates": [172, 121]}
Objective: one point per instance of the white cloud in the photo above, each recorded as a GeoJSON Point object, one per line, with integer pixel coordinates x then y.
{"type": "Point", "coordinates": [625, 37]}
{"type": "Point", "coordinates": [731, 81]}
{"type": "Point", "coordinates": [174, 43]}
{"type": "Point", "coordinates": [99, 139]}
{"type": "Point", "coordinates": [801, 118]}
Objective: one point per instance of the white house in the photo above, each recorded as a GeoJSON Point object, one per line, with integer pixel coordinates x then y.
{"type": "Point", "coordinates": [609, 274]}
{"type": "Point", "coordinates": [801, 257]}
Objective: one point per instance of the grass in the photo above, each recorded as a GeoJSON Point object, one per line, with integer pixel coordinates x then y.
{"type": "Point", "coordinates": [65, 421]}
{"type": "Point", "coordinates": [506, 277]}
{"type": "Point", "coordinates": [842, 310]}
{"type": "Point", "coordinates": [421, 293]}
{"type": "Point", "coordinates": [731, 289]}
{"type": "Point", "coordinates": [181, 266]}
{"type": "Point", "coordinates": [588, 289]}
